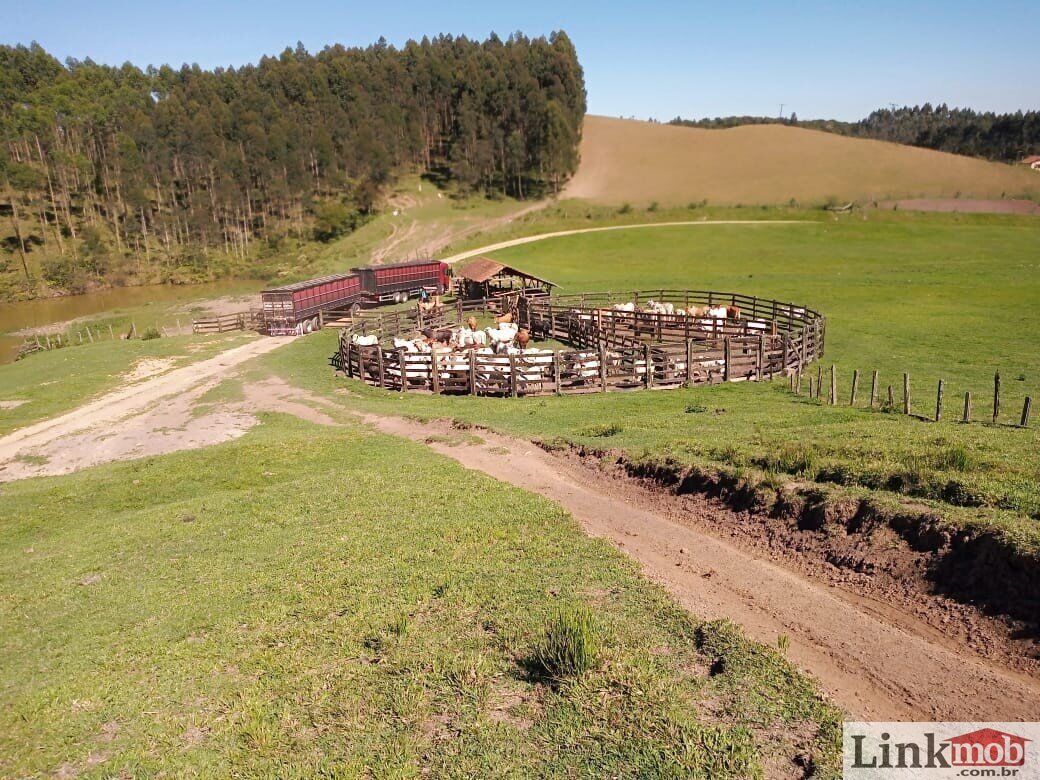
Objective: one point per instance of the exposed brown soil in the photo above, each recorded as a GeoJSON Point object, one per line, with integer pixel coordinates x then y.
{"type": "Point", "coordinates": [878, 657]}
{"type": "Point", "coordinates": [964, 205]}
{"type": "Point", "coordinates": [639, 162]}
{"type": "Point", "coordinates": [836, 542]}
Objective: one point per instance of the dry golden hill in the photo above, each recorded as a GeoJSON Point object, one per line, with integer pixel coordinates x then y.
{"type": "Point", "coordinates": [627, 160]}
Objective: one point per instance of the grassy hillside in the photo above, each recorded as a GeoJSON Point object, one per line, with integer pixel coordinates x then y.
{"type": "Point", "coordinates": [292, 604]}
{"type": "Point", "coordinates": [625, 160]}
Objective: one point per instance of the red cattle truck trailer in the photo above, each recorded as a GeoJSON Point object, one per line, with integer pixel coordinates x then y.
{"type": "Point", "coordinates": [294, 307]}
{"type": "Point", "coordinates": [398, 282]}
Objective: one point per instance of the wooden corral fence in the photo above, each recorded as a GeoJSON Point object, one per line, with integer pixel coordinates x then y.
{"type": "Point", "coordinates": [239, 320]}
{"type": "Point", "coordinates": [610, 350]}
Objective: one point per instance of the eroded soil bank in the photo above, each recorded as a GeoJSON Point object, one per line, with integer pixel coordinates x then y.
{"type": "Point", "coordinates": [896, 550]}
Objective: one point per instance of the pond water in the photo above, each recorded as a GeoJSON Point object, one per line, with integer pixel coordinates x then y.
{"type": "Point", "coordinates": [47, 311]}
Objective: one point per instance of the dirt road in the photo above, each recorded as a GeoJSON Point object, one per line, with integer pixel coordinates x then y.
{"type": "Point", "coordinates": [873, 667]}
{"type": "Point", "coordinates": [559, 233]}
{"type": "Point", "coordinates": [89, 434]}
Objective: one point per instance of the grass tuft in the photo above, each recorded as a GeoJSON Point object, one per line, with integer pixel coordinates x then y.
{"type": "Point", "coordinates": [601, 431]}
{"type": "Point", "coordinates": [570, 646]}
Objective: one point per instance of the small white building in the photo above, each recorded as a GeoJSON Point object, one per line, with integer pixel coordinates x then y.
{"type": "Point", "coordinates": [1033, 161]}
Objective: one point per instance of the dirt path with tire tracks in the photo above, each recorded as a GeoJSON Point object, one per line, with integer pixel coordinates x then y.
{"type": "Point", "coordinates": [560, 233]}
{"type": "Point", "coordinates": [60, 443]}
{"type": "Point", "coordinates": [873, 666]}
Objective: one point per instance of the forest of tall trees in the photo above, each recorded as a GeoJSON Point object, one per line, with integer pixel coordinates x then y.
{"type": "Point", "coordinates": [1001, 137]}
{"type": "Point", "coordinates": [121, 175]}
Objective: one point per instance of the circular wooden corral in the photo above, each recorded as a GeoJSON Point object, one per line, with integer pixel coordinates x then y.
{"type": "Point", "coordinates": [610, 349]}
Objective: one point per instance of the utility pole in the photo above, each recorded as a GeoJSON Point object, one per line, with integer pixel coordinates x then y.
{"type": "Point", "coordinates": [781, 110]}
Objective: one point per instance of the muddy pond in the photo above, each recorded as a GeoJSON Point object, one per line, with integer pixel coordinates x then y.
{"type": "Point", "coordinates": [42, 312]}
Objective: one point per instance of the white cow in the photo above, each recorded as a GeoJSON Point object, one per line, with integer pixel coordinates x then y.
{"type": "Point", "coordinates": [368, 340]}
{"type": "Point", "coordinates": [503, 334]}
{"type": "Point", "coordinates": [408, 345]}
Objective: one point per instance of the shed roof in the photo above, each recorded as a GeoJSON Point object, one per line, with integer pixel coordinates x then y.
{"type": "Point", "coordinates": [481, 269]}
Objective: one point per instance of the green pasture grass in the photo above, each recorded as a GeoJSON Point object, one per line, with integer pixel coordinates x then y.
{"type": "Point", "coordinates": [575, 214]}
{"type": "Point", "coordinates": [936, 296]}
{"type": "Point", "coordinates": [58, 380]}
{"type": "Point", "coordinates": [324, 601]}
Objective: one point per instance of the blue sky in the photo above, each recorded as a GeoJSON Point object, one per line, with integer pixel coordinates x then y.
{"type": "Point", "coordinates": [820, 59]}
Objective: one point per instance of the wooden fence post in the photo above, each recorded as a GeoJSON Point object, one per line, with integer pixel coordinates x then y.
{"type": "Point", "coordinates": [726, 358]}
{"type": "Point", "coordinates": [380, 368]}
{"type": "Point", "coordinates": [873, 388]}
{"type": "Point", "coordinates": [603, 368]}
{"type": "Point", "coordinates": [855, 386]}
{"type": "Point", "coordinates": [967, 407]}
{"type": "Point", "coordinates": [906, 393]}
{"type": "Point", "coordinates": [556, 372]}
{"type": "Point", "coordinates": [996, 396]}
{"type": "Point", "coordinates": [512, 376]}
{"type": "Point", "coordinates": [798, 382]}
{"type": "Point", "coordinates": [938, 402]}
{"type": "Point", "coordinates": [48, 337]}
{"type": "Point", "coordinates": [891, 398]}
{"type": "Point", "coordinates": [435, 374]}
{"type": "Point", "coordinates": [472, 372]}
{"type": "Point", "coordinates": [648, 377]}
{"type": "Point", "coordinates": [810, 387]}
{"type": "Point", "coordinates": [761, 356]}
{"type": "Point", "coordinates": [689, 364]}
{"type": "Point", "coordinates": [90, 335]}
{"type": "Point", "coordinates": [834, 386]}
{"type": "Point", "coordinates": [1027, 406]}
{"type": "Point", "coordinates": [111, 333]}
{"type": "Point", "coordinates": [819, 380]}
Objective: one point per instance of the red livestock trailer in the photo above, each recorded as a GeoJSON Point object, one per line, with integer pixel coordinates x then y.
{"type": "Point", "coordinates": [293, 308]}
{"type": "Point", "coordinates": [398, 282]}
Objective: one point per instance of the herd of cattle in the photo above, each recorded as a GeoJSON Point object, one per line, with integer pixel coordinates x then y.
{"type": "Point", "coordinates": [452, 347]}
{"type": "Point", "coordinates": [505, 338]}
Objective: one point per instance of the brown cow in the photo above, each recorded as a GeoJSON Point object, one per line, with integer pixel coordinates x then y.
{"type": "Point", "coordinates": [507, 317]}
{"type": "Point", "coordinates": [471, 323]}
{"type": "Point", "coordinates": [733, 312]}
{"type": "Point", "coordinates": [523, 337]}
